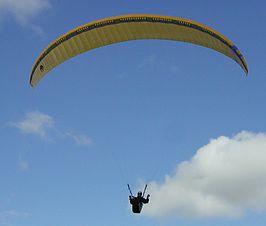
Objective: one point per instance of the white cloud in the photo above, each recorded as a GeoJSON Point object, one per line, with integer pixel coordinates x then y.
{"type": "Point", "coordinates": [80, 139]}
{"type": "Point", "coordinates": [43, 126]}
{"type": "Point", "coordinates": [9, 215]}
{"type": "Point", "coordinates": [24, 10]}
{"type": "Point", "coordinates": [224, 178]}
{"type": "Point", "coordinates": [35, 123]}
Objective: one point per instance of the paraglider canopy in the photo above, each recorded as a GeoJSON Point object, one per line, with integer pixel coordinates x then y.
{"type": "Point", "coordinates": [130, 27]}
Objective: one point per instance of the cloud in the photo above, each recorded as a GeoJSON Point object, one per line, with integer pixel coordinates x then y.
{"type": "Point", "coordinates": [80, 139]}
{"type": "Point", "coordinates": [35, 123]}
{"type": "Point", "coordinates": [225, 178]}
{"type": "Point", "coordinates": [44, 126]}
{"type": "Point", "coordinates": [9, 215]}
{"type": "Point", "coordinates": [24, 10]}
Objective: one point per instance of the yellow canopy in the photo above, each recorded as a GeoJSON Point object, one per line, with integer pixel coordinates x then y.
{"type": "Point", "coordinates": [130, 27]}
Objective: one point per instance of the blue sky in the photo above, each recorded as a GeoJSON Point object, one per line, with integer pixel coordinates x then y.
{"type": "Point", "coordinates": [182, 118]}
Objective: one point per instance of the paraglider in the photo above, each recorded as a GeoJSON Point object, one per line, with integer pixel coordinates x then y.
{"type": "Point", "coordinates": [130, 27]}
{"type": "Point", "coordinates": [125, 28]}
